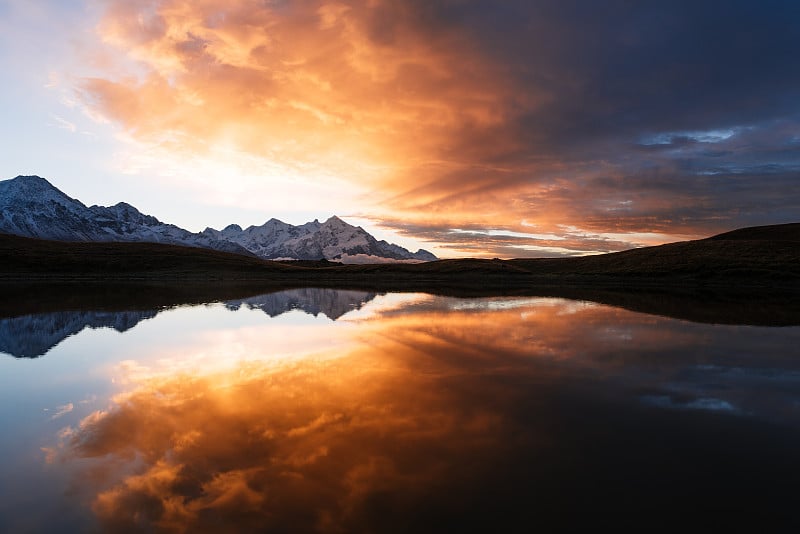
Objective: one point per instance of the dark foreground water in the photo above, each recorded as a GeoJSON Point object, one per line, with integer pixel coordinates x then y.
{"type": "Point", "coordinates": [341, 411]}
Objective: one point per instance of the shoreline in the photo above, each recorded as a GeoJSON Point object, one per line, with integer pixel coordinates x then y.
{"type": "Point", "coordinates": [718, 304]}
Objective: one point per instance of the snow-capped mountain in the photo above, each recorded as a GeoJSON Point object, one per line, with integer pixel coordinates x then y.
{"type": "Point", "coordinates": [332, 240]}
{"type": "Point", "coordinates": [32, 207]}
{"type": "Point", "coordinates": [266, 240]}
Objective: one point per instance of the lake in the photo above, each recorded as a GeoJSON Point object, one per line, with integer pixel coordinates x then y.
{"type": "Point", "coordinates": [318, 410]}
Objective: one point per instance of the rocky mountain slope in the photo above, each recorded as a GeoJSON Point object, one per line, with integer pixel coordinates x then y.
{"type": "Point", "coordinates": [332, 240]}
{"type": "Point", "coordinates": [32, 207]}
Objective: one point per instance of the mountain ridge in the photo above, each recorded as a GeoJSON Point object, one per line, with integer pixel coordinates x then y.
{"type": "Point", "coordinates": [30, 206]}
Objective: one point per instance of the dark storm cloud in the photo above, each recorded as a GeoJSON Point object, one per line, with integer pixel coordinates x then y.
{"type": "Point", "coordinates": [674, 117]}
{"type": "Point", "coordinates": [621, 68]}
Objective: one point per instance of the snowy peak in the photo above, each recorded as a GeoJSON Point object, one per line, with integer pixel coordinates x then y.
{"type": "Point", "coordinates": [262, 241]}
{"type": "Point", "coordinates": [424, 255]}
{"type": "Point", "coordinates": [30, 184]}
{"type": "Point", "coordinates": [31, 206]}
{"type": "Point", "coordinates": [333, 239]}
{"type": "Point", "coordinates": [124, 213]}
{"type": "Point", "coordinates": [30, 188]}
{"type": "Point", "coordinates": [336, 226]}
{"type": "Point", "coordinates": [312, 226]}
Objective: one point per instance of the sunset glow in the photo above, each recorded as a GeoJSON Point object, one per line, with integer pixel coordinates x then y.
{"type": "Point", "coordinates": [469, 128]}
{"type": "Point", "coordinates": [412, 401]}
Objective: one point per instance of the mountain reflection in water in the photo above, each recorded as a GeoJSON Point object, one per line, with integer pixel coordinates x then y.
{"type": "Point", "coordinates": [34, 335]}
{"type": "Point", "coordinates": [332, 303]}
{"type": "Point", "coordinates": [449, 414]}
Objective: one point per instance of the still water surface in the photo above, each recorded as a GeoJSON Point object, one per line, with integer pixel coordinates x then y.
{"type": "Point", "coordinates": [318, 410]}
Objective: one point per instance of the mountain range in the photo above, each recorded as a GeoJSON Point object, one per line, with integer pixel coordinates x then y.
{"type": "Point", "coordinates": [30, 206]}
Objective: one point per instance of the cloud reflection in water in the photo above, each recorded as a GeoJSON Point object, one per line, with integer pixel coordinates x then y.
{"type": "Point", "coordinates": [435, 414]}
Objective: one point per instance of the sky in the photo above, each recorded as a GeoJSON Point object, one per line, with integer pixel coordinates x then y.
{"type": "Point", "coordinates": [467, 127]}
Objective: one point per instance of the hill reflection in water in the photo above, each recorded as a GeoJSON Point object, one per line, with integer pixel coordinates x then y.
{"type": "Point", "coordinates": [434, 413]}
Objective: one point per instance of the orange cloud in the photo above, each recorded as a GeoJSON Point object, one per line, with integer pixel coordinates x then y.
{"type": "Point", "coordinates": [439, 115]}
{"type": "Point", "coordinates": [361, 91]}
{"type": "Point", "coordinates": [326, 85]}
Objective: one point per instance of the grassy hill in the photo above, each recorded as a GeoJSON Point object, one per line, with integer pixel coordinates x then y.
{"type": "Point", "coordinates": [25, 257]}
{"type": "Point", "coordinates": [748, 276]}
{"type": "Point", "coordinates": [766, 255]}
{"type": "Point", "coordinates": [765, 252]}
